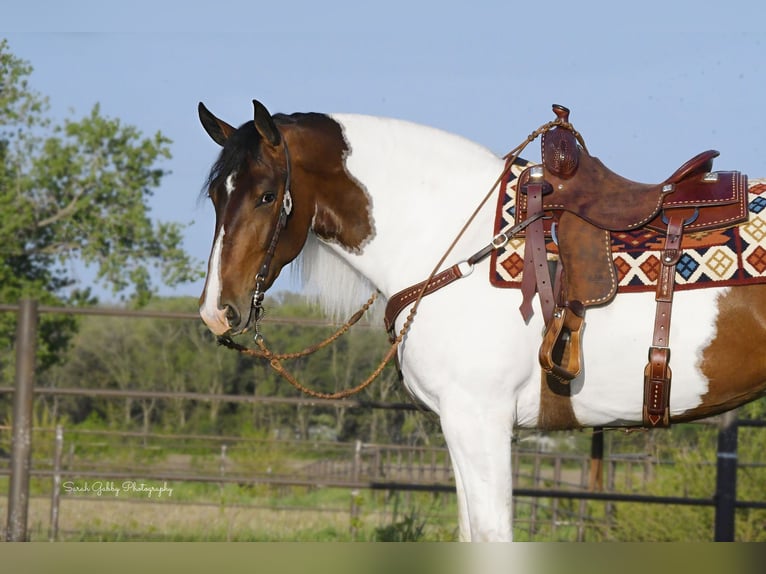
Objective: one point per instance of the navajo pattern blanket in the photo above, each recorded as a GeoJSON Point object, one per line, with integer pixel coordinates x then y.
{"type": "Point", "coordinates": [720, 258]}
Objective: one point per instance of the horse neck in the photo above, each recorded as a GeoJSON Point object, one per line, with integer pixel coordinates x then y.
{"type": "Point", "coordinates": [423, 184]}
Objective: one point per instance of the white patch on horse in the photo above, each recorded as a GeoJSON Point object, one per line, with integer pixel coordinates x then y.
{"type": "Point", "coordinates": [211, 312]}
{"type": "Point", "coordinates": [230, 183]}
{"type": "Point", "coordinates": [602, 392]}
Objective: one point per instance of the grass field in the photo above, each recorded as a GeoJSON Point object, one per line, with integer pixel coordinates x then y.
{"type": "Point", "coordinates": [245, 493]}
{"type": "Point", "coordinates": [322, 515]}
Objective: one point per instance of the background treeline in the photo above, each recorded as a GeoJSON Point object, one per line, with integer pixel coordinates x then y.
{"type": "Point", "coordinates": [182, 356]}
{"type": "Point", "coordinates": [177, 355]}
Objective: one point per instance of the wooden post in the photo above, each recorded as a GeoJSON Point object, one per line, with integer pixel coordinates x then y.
{"type": "Point", "coordinates": [222, 461]}
{"type": "Point", "coordinates": [56, 486]}
{"type": "Point", "coordinates": [354, 509]}
{"type": "Point", "coordinates": [222, 473]}
{"type": "Point", "coordinates": [21, 446]}
{"type": "Point", "coordinates": [357, 467]}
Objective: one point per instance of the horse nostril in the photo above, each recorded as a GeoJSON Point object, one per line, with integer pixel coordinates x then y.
{"type": "Point", "coordinates": [232, 315]}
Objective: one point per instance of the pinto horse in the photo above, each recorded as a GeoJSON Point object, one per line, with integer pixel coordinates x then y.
{"type": "Point", "coordinates": [373, 203]}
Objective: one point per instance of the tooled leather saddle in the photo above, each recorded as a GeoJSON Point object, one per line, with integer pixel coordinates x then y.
{"type": "Point", "coordinates": [575, 199]}
{"type": "Point", "coordinates": [587, 201]}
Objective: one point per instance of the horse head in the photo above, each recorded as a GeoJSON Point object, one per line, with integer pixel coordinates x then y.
{"type": "Point", "coordinates": [257, 231]}
{"type": "Point", "coordinates": [275, 179]}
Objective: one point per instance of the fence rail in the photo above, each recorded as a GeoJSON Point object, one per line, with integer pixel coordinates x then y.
{"type": "Point", "coordinates": [542, 479]}
{"type": "Point", "coordinates": [373, 467]}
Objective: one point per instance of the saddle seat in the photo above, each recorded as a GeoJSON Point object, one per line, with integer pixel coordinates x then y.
{"type": "Point", "coordinates": [587, 201]}
{"type": "Point", "coordinates": [583, 185]}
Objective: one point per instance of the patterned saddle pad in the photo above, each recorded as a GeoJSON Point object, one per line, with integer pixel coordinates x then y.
{"type": "Point", "coordinates": [735, 256]}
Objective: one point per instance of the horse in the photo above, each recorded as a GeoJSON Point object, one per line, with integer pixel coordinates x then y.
{"type": "Point", "coordinates": [371, 204]}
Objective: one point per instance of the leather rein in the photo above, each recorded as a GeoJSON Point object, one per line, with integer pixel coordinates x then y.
{"type": "Point", "coordinates": [397, 303]}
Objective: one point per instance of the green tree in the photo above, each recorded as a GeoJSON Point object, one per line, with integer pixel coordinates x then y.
{"type": "Point", "coordinates": [179, 355]}
{"type": "Point", "coordinates": [145, 354]}
{"type": "Point", "coordinates": [690, 471]}
{"type": "Point", "coordinates": [77, 192]}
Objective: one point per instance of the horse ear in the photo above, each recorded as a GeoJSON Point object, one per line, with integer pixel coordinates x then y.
{"type": "Point", "coordinates": [265, 124]}
{"type": "Point", "coordinates": [217, 129]}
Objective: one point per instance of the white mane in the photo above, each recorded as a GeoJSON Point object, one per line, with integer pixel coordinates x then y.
{"type": "Point", "coordinates": [329, 282]}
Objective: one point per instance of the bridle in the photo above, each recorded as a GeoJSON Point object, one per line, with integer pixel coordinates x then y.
{"type": "Point", "coordinates": [256, 307]}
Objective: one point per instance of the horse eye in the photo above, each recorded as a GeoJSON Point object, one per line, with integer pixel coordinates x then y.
{"type": "Point", "coordinates": [268, 197]}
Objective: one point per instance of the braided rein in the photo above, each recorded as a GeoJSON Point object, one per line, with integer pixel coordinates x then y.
{"type": "Point", "coordinates": [275, 359]}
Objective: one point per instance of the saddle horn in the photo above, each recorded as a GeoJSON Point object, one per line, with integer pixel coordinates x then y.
{"type": "Point", "coordinates": [561, 112]}
{"type": "Point", "coordinates": [561, 155]}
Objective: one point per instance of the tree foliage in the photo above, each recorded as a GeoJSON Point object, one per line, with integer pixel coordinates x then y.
{"type": "Point", "coordinates": [690, 471]}
{"type": "Point", "coordinates": [182, 356]}
{"type": "Point", "coordinates": [76, 193]}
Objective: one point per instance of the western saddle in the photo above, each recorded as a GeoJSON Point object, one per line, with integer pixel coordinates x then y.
{"type": "Point", "coordinates": [577, 201]}
{"type": "Point", "coordinates": [587, 201]}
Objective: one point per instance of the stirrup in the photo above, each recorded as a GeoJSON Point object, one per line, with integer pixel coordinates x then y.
{"type": "Point", "coordinates": [563, 338]}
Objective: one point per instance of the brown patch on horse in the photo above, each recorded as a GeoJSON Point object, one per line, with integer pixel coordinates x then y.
{"type": "Point", "coordinates": [318, 150]}
{"type": "Point", "coordinates": [734, 361]}
{"type": "Point", "coordinates": [556, 412]}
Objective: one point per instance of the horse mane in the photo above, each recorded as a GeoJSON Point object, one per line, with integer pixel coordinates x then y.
{"type": "Point", "coordinates": [332, 284]}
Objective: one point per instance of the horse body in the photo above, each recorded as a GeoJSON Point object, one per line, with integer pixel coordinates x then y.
{"type": "Point", "coordinates": [469, 356]}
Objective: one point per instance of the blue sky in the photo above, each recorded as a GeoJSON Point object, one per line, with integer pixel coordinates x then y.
{"type": "Point", "coordinates": [649, 84]}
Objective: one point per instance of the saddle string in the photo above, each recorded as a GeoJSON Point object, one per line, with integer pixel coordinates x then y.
{"type": "Point", "coordinates": [275, 359]}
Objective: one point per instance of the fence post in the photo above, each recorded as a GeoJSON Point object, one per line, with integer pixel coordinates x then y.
{"type": "Point", "coordinates": [222, 472]}
{"type": "Point", "coordinates": [354, 510]}
{"type": "Point", "coordinates": [596, 479]}
{"type": "Point", "coordinates": [21, 446]}
{"type": "Point", "coordinates": [222, 461]}
{"type": "Point", "coordinates": [56, 492]}
{"type": "Point", "coordinates": [726, 478]}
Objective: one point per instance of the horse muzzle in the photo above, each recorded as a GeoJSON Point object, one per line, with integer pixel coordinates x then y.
{"type": "Point", "coordinates": [228, 318]}
{"type": "Point", "coordinates": [216, 320]}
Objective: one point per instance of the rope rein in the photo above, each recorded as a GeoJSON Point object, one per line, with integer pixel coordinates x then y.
{"type": "Point", "coordinates": [276, 359]}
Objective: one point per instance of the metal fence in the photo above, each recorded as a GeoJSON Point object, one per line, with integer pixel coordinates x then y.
{"type": "Point", "coordinates": [553, 490]}
{"type": "Point", "coordinates": [541, 480]}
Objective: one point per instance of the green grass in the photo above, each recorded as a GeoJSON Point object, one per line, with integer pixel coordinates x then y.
{"type": "Point", "coordinates": [201, 513]}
